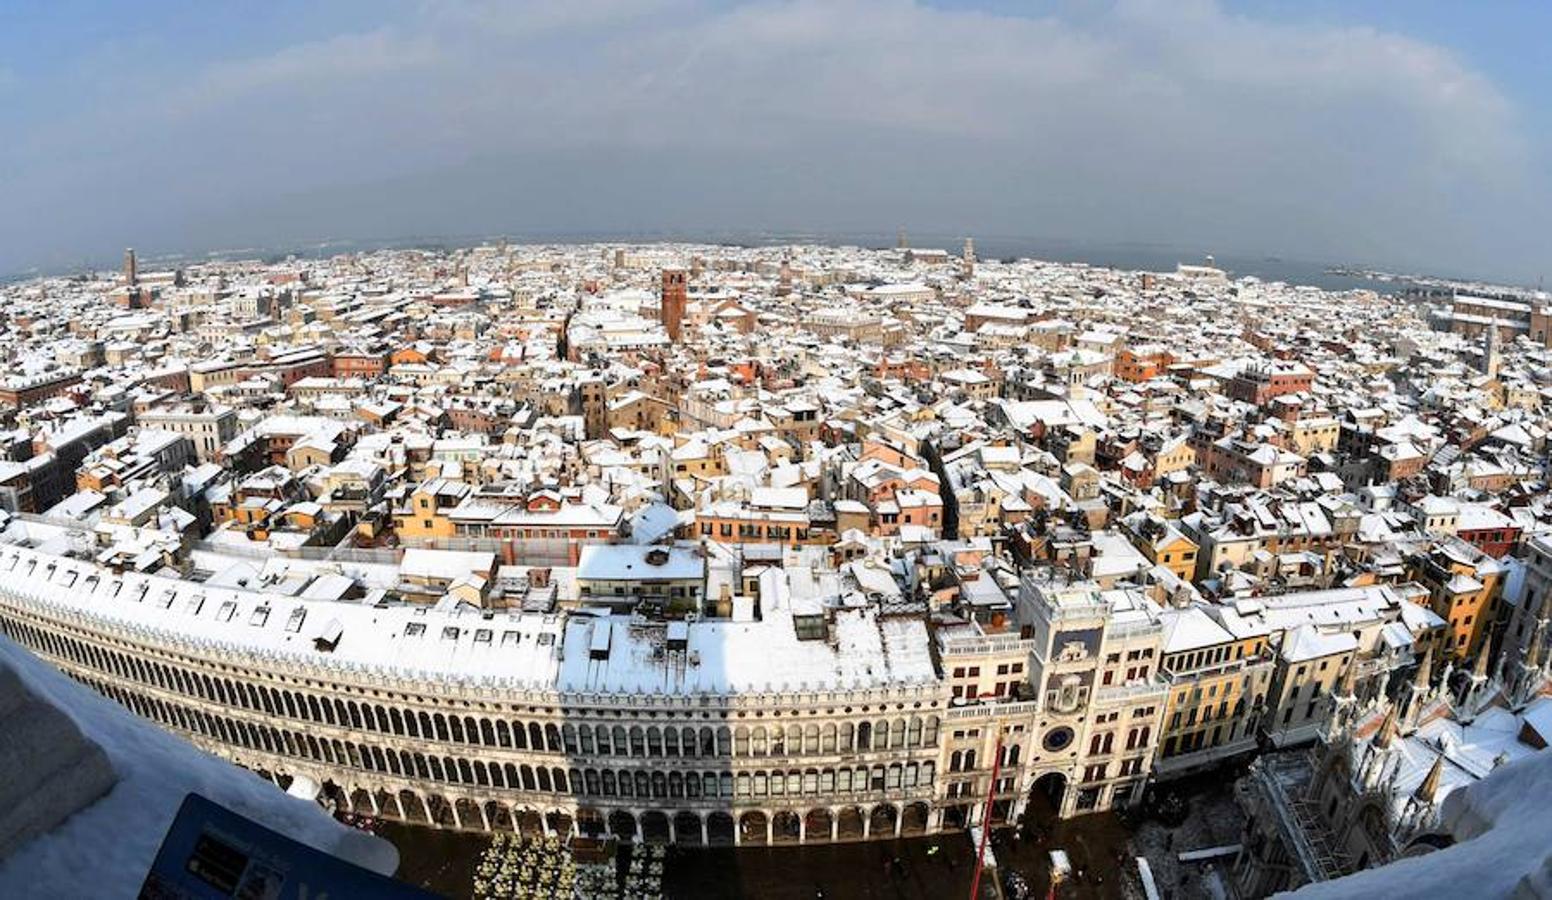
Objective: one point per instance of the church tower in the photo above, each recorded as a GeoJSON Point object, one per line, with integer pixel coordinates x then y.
{"type": "Point", "coordinates": [1492, 353]}
{"type": "Point", "coordinates": [672, 303]}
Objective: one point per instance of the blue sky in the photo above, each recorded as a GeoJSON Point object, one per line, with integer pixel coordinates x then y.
{"type": "Point", "coordinates": [1411, 135]}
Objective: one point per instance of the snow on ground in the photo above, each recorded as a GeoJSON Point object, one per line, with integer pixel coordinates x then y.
{"type": "Point", "coordinates": [1214, 819]}
{"type": "Point", "coordinates": [104, 850]}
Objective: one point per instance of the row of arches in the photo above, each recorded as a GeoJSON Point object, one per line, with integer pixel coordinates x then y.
{"type": "Point", "coordinates": [686, 827]}
{"type": "Point", "coordinates": [581, 782]}
{"type": "Point", "coordinates": [294, 704]}
{"type": "Point", "coordinates": [573, 739]}
{"type": "Point", "coordinates": [895, 733]}
{"type": "Point", "coordinates": [242, 734]}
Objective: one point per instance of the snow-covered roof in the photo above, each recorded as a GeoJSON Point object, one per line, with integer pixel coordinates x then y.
{"type": "Point", "coordinates": [634, 562]}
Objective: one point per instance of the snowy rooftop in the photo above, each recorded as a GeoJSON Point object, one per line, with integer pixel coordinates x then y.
{"type": "Point", "coordinates": [632, 562]}
{"type": "Point", "coordinates": [614, 654]}
{"type": "Point", "coordinates": [462, 643]}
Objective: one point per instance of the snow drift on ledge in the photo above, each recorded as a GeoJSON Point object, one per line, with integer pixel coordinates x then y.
{"type": "Point", "coordinates": [105, 849]}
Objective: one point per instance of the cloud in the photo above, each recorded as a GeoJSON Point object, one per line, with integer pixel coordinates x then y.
{"type": "Point", "coordinates": [310, 67]}
{"type": "Point", "coordinates": [1133, 120]}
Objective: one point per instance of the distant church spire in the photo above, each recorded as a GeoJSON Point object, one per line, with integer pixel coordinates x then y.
{"type": "Point", "coordinates": [1492, 353]}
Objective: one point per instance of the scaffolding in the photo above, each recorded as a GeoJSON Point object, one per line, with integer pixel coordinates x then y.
{"type": "Point", "coordinates": [1284, 779]}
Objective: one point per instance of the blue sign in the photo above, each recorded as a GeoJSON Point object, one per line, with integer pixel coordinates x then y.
{"type": "Point", "coordinates": [212, 853]}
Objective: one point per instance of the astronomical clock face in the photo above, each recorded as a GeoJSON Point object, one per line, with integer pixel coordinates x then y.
{"type": "Point", "coordinates": [1057, 739]}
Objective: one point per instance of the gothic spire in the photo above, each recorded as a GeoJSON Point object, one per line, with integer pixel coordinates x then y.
{"type": "Point", "coordinates": [1479, 671]}
{"type": "Point", "coordinates": [1424, 673]}
{"type": "Point", "coordinates": [1389, 729]}
{"type": "Point", "coordinates": [1429, 789]}
{"type": "Point", "coordinates": [1348, 686]}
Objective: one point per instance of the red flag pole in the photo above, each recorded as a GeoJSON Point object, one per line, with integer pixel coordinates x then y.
{"type": "Point", "coordinates": [986, 819]}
